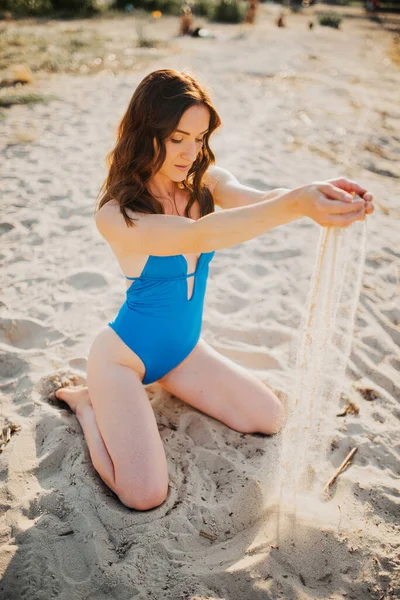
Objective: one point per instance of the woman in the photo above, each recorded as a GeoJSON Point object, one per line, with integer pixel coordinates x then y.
{"type": "Point", "coordinates": [156, 211]}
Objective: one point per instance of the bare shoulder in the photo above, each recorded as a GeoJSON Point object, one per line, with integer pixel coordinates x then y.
{"type": "Point", "coordinates": [105, 215]}
{"type": "Point", "coordinates": [215, 174]}
{"type": "Point", "coordinates": [218, 181]}
{"type": "Point", "coordinates": [109, 219]}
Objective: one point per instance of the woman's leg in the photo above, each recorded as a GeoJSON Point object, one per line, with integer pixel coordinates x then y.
{"type": "Point", "coordinates": [121, 432]}
{"type": "Point", "coordinates": [79, 401]}
{"type": "Point", "coordinates": [226, 391]}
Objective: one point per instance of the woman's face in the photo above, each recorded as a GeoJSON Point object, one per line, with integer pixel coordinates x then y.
{"type": "Point", "coordinates": [183, 146]}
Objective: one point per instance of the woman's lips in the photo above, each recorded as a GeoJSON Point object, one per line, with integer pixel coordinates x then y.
{"type": "Point", "coordinates": [182, 168]}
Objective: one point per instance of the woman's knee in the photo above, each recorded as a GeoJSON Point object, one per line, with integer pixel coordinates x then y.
{"type": "Point", "coordinates": [272, 419]}
{"type": "Point", "coordinates": [268, 420]}
{"type": "Point", "coordinates": [145, 499]}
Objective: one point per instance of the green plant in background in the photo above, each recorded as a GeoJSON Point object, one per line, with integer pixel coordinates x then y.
{"type": "Point", "coordinates": [331, 19]}
{"type": "Point", "coordinates": [51, 51]}
{"type": "Point", "coordinates": [229, 11]}
{"type": "Point", "coordinates": [26, 7]}
{"type": "Point", "coordinates": [66, 8]}
{"type": "Point", "coordinates": [203, 8]}
{"type": "Point", "coordinates": [75, 7]}
{"type": "Point", "coordinates": [143, 40]}
{"type": "Point", "coordinates": [295, 5]}
{"type": "Point", "coordinates": [10, 99]}
{"type": "Point", "coordinates": [170, 7]}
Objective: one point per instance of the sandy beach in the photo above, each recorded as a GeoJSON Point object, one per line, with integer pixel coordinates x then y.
{"type": "Point", "coordinates": [297, 105]}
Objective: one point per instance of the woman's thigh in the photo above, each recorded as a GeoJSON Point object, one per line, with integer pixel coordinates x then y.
{"type": "Point", "coordinates": [127, 424]}
{"type": "Point", "coordinates": [224, 390]}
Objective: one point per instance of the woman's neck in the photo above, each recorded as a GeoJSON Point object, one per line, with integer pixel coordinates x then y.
{"type": "Point", "coordinates": [162, 187]}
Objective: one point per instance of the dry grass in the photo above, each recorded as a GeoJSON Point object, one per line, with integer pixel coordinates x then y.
{"type": "Point", "coordinates": [81, 48]}
{"type": "Point", "coordinates": [24, 136]}
{"type": "Point", "coordinates": [28, 48]}
{"type": "Point", "coordinates": [394, 52]}
{"type": "Point", "coordinates": [15, 96]}
{"type": "Point", "coordinates": [72, 52]}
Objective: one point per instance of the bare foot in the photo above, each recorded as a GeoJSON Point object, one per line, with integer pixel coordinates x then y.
{"type": "Point", "coordinates": [76, 397]}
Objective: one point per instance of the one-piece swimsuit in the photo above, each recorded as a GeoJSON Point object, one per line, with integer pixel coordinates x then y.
{"type": "Point", "coordinates": [157, 320]}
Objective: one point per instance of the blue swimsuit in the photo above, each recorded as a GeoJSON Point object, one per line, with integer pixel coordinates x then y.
{"type": "Point", "coordinates": [157, 320]}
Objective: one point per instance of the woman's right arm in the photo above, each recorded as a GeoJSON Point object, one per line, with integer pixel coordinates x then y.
{"type": "Point", "coordinates": [324, 203]}
{"type": "Point", "coordinates": [164, 235]}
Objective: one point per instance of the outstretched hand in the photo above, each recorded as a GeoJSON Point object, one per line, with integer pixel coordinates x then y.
{"type": "Point", "coordinates": [335, 203]}
{"type": "Point", "coordinates": [353, 188]}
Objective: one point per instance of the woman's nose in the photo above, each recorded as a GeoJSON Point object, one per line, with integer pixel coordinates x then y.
{"type": "Point", "coordinates": [190, 152]}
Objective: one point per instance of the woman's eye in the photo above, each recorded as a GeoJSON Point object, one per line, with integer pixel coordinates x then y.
{"type": "Point", "coordinates": [179, 141]}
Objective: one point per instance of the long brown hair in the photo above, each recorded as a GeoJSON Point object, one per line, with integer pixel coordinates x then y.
{"type": "Point", "coordinates": [154, 112]}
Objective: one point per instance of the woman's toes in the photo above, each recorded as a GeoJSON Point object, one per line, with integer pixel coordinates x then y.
{"type": "Point", "coordinates": [73, 396]}
{"type": "Point", "coordinates": [67, 392]}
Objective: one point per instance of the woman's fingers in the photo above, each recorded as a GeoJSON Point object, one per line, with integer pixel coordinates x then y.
{"type": "Point", "coordinates": [334, 192]}
{"type": "Point", "coordinates": [344, 220]}
{"type": "Point", "coordinates": [369, 208]}
{"type": "Point", "coordinates": [331, 205]}
{"type": "Point", "coordinates": [350, 186]}
{"type": "Point", "coordinates": [338, 207]}
{"type": "Point", "coordinates": [339, 201]}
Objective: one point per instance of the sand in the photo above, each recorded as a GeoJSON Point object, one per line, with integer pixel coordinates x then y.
{"type": "Point", "coordinates": [297, 106]}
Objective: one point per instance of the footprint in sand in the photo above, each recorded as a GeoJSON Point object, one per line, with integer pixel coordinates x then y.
{"type": "Point", "coordinates": [11, 366]}
{"type": "Point", "coordinates": [78, 363]}
{"type": "Point", "coordinates": [393, 315]}
{"type": "Point", "coordinates": [31, 574]}
{"type": "Point", "coordinates": [69, 539]}
{"type": "Point", "coordinates": [27, 334]}
{"type": "Point", "coordinates": [395, 362]}
{"type": "Point", "coordinates": [224, 504]}
{"type": "Point", "coordinates": [240, 282]}
{"type": "Point", "coordinates": [259, 270]}
{"type": "Point", "coordinates": [385, 500]}
{"type": "Point", "coordinates": [6, 227]}
{"type": "Point", "coordinates": [83, 280]}
{"type": "Point", "coordinates": [75, 551]}
{"type": "Point", "coordinates": [28, 223]}
{"type": "Point", "coordinates": [231, 304]}
{"type": "Point", "coordinates": [199, 429]}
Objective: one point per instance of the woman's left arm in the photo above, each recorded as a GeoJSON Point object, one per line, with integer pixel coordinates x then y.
{"type": "Point", "coordinates": [228, 192]}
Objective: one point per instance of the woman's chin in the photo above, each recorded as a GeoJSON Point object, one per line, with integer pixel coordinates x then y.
{"type": "Point", "coordinates": [179, 178]}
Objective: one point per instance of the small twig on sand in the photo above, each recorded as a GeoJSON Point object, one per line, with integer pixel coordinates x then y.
{"type": "Point", "coordinates": [207, 535]}
{"type": "Point", "coordinates": [6, 433]}
{"type": "Point", "coordinates": [340, 469]}
{"type": "Point", "coordinates": [351, 409]}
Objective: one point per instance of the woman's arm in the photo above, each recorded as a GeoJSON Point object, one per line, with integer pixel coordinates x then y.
{"type": "Point", "coordinates": [164, 235]}
{"type": "Point", "coordinates": [228, 192]}
{"type": "Point", "coordinates": [324, 203]}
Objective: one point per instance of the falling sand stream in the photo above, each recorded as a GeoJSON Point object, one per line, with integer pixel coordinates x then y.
{"type": "Point", "coordinates": [320, 368]}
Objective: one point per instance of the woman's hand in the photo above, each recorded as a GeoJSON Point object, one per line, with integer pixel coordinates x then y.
{"type": "Point", "coordinates": [335, 203]}
{"type": "Point", "coordinates": [353, 188]}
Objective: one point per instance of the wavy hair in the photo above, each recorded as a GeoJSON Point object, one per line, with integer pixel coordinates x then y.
{"type": "Point", "coordinates": [154, 112]}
